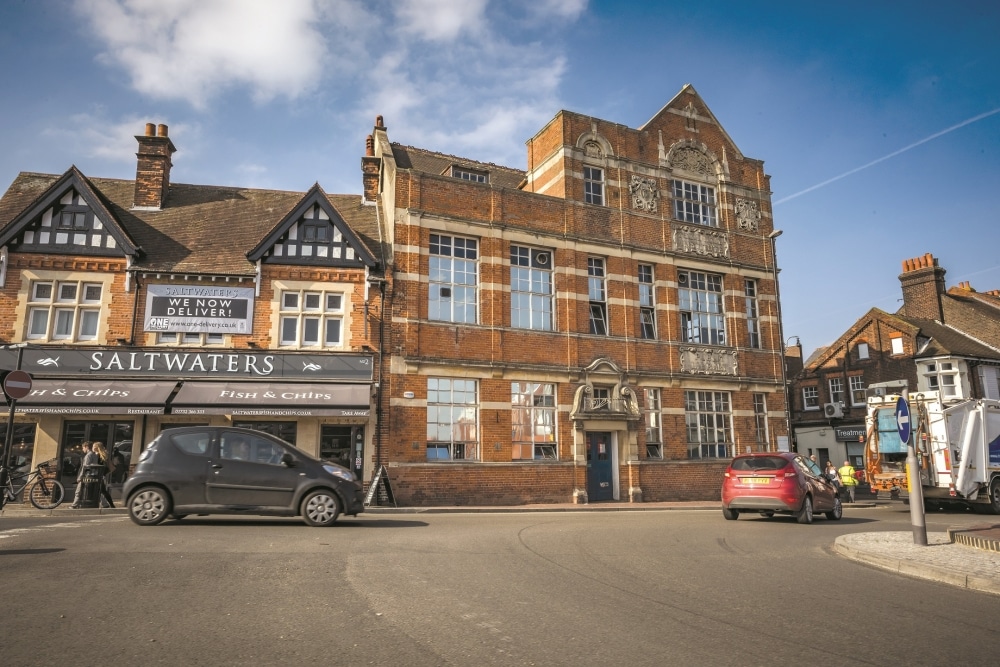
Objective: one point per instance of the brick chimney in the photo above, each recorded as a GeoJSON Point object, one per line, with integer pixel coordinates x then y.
{"type": "Point", "coordinates": [923, 284]}
{"type": "Point", "coordinates": [152, 171]}
{"type": "Point", "coordinates": [371, 165]}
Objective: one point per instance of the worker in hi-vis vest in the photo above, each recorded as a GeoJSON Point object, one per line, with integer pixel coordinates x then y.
{"type": "Point", "coordinates": [847, 479]}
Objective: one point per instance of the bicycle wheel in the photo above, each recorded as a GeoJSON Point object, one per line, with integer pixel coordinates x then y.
{"type": "Point", "coordinates": [46, 494]}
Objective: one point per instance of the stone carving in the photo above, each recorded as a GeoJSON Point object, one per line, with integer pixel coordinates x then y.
{"type": "Point", "coordinates": [691, 160]}
{"type": "Point", "coordinates": [747, 214]}
{"type": "Point", "coordinates": [593, 149]}
{"type": "Point", "coordinates": [645, 195]}
{"type": "Point", "coordinates": [701, 241]}
{"type": "Point", "coordinates": [708, 361]}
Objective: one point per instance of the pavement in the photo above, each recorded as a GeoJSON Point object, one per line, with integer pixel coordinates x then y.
{"type": "Point", "coordinates": [968, 557]}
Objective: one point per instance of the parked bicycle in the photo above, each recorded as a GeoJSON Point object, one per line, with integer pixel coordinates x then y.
{"type": "Point", "coordinates": [44, 492]}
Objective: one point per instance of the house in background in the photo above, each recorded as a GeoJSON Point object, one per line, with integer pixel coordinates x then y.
{"type": "Point", "coordinates": [945, 340]}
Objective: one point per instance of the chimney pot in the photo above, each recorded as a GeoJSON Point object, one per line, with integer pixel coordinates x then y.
{"type": "Point", "coordinates": [370, 146]}
{"type": "Point", "coordinates": [161, 130]}
{"type": "Point", "coordinates": [379, 124]}
{"type": "Point", "coordinates": [150, 129]}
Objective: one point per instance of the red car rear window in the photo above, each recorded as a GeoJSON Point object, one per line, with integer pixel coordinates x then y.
{"type": "Point", "coordinates": [759, 463]}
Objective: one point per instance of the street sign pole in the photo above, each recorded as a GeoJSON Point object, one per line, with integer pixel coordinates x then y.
{"type": "Point", "coordinates": [9, 437]}
{"type": "Point", "coordinates": [904, 422]}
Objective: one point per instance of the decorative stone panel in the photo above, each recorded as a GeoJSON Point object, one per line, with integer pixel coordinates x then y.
{"type": "Point", "coordinates": [747, 214]}
{"type": "Point", "coordinates": [645, 194]}
{"type": "Point", "coordinates": [692, 160]}
{"type": "Point", "coordinates": [708, 361]}
{"type": "Point", "coordinates": [701, 241]}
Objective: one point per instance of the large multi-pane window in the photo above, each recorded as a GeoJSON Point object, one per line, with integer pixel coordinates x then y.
{"type": "Point", "coordinates": [836, 390]}
{"type": "Point", "coordinates": [531, 288]}
{"type": "Point", "coordinates": [533, 420]}
{"type": "Point", "coordinates": [709, 424]}
{"type": "Point", "coordinates": [654, 425]}
{"type": "Point", "coordinates": [647, 304]}
{"type": "Point", "coordinates": [810, 398]}
{"type": "Point", "coordinates": [597, 292]}
{"type": "Point", "coordinates": [311, 318]}
{"type": "Point", "coordinates": [452, 294]}
{"type": "Point", "coordinates": [857, 390]}
{"type": "Point", "coordinates": [694, 203]}
{"type": "Point", "coordinates": [593, 185]}
{"type": "Point", "coordinates": [760, 421]}
{"type": "Point", "coordinates": [753, 316]}
{"type": "Point", "coordinates": [452, 419]}
{"type": "Point", "coordinates": [67, 310]}
{"type": "Point", "coordinates": [702, 319]}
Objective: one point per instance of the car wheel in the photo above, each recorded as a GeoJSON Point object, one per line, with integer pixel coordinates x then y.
{"type": "Point", "coordinates": [837, 511]}
{"type": "Point", "coordinates": [731, 515]}
{"type": "Point", "coordinates": [321, 508]}
{"type": "Point", "coordinates": [806, 513]}
{"type": "Point", "coordinates": [149, 506]}
{"type": "Point", "coordinates": [995, 496]}
{"type": "Point", "coordinates": [766, 513]}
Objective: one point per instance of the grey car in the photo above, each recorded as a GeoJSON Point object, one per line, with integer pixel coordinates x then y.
{"type": "Point", "coordinates": [223, 470]}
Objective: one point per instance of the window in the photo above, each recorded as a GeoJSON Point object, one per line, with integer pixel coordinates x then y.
{"type": "Point", "coordinates": [601, 399]}
{"type": "Point", "coordinates": [453, 279]}
{"type": "Point", "coordinates": [694, 203]}
{"type": "Point", "coordinates": [187, 338]}
{"type": "Point", "coordinates": [533, 421]}
{"type": "Point", "coordinates": [708, 419]}
{"type": "Point", "coordinates": [942, 377]}
{"type": "Point", "coordinates": [760, 421]}
{"type": "Point", "coordinates": [647, 305]}
{"type": "Point", "coordinates": [810, 398]}
{"type": "Point", "coordinates": [64, 310]}
{"type": "Point", "coordinates": [597, 293]}
{"type": "Point", "coordinates": [311, 318]}
{"type": "Point", "coordinates": [470, 175]}
{"type": "Point", "coordinates": [989, 380]}
{"type": "Point", "coordinates": [753, 318]}
{"type": "Point", "coordinates": [857, 389]}
{"type": "Point", "coordinates": [452, 421]}
{"type": "Point", "coordinates": [531, 288]}
{"type": "Point", "coordinates": [654, 425]}
{"type": "Point", "coordinates": [702, 319]}
{"type": "Point", "coordinates": [862, 349]}
{"type": "Point", "coordinates": [836, 390]}
{"type": "Point", "coordinates": [593, 185]}
{"type": "Point", "coordinates": [897, 344]}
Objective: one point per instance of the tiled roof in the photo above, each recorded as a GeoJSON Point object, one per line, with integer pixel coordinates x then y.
{"type": "Point", "coordinates": [201, 229]}
{"type": "Point", "coordinates": [429, 162]}
{"type": "Point", "coordinates": [945, 340]}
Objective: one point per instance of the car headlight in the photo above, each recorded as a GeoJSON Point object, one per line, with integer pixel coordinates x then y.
{"type": "Point", "coordinates": [342, 473]}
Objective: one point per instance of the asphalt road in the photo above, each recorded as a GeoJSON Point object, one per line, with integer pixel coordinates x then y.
{"type": "Point", "coordinates": [561, 588]}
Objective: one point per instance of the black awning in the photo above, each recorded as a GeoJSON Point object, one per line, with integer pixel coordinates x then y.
{"type": "Point", "coordinates": [271, 399]}
{"type": "Point", "coordinates": [96, 397]}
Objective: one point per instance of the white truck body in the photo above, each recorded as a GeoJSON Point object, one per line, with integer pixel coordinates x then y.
{"type": "Point", "coordinates": [957, 446]}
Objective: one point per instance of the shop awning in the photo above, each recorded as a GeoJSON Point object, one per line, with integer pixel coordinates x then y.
{"type": "Point", "coordinates": [271, 399]}
{"type": "Point", "coordinates": [95, 397]}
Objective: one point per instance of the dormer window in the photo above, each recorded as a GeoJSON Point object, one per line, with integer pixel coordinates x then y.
{"type": "Point", "coordinates": [470, 175]}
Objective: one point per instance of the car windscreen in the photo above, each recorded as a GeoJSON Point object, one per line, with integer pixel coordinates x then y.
{"type": "Point", "coordinates": [759, 463]}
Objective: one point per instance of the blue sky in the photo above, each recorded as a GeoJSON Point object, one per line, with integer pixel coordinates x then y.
{"type": "Point", "coordinates": [878, 121]}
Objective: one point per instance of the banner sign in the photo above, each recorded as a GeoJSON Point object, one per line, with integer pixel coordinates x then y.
{"type": "Point", "coordinates": [199, 309]}
{"type": "Point", "coordinates": [849, 433]}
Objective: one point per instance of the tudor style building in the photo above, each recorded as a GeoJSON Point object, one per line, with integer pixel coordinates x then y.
{"type": "Point", "coordinates": [140, 305]}
{"type": "Point", "coordinates": [603, 325]}
{"type": "Point", "coordinates": [945, 340]}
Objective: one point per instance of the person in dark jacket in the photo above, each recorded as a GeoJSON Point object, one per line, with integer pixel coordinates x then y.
{"type": "Point", "coordinates": [89, 458]}
{"type": "Point", "coordinates": [102, 459]}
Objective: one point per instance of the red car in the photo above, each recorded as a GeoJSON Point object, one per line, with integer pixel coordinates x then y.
{"type": "Point", "coordinates": [778, 482]}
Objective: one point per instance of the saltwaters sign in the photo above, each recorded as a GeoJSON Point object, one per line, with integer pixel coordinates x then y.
{"type": "Point", "coordinates": [196, 309]}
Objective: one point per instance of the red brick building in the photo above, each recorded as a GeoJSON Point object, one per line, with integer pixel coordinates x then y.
{"type": "Point", "coordinates": [941, 339]}
{"type": "Point", "coordinates": [603, 325]}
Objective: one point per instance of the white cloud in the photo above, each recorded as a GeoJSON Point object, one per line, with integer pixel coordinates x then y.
{"type": "Point", "coordinates": [92, 135]}
{"type": "Point", "coordinates": [440, 20]}
{"type": "Point", "coordinates": [194, 49]}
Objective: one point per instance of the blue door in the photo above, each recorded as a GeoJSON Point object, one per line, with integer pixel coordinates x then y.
{"type": "Point", "coordinates": [600, 471]}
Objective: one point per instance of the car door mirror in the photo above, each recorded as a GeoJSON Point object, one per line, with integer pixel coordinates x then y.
{"type": "Point", "coordinates": [287, 460]}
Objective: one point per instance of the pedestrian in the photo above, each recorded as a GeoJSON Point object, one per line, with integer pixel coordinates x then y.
{"type": "Point", "coordinates": [103, 460]}
{"type": "Point", "coordinates": [812, 457]}
{"type": "Point", "coordinates": [831, 474]}
{"type": "Point", "coordinates": [848, 480]}
{"type": "Point", "coordinates": [88, 458]}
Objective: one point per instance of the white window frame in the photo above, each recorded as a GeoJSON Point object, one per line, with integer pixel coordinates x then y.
{"type": "Point", "coordinates": [470, 175]}
{"type": "Point", "coordinates": [897, 344]}
{"type": "Point", "coordinates": [453, 276]}
{"type": "Point", "coordinates": [452, 419]}
{"type": "Point", "coordinates": [533, 421]}
{"type": "Point", "coordinates": [708, 417]}
{"type": "Point", "coordinates": [810, 397]}
{"type": "Point", "coordinates": [836, 387]}
{"type": "Point", "coordinates": [532, 288]}
{"type": "Point", "coordinates": [761, 431]}
{"type": "Point", "coordinates": [305, 314]}
{"type": "Point", "coordinates": [593, 185]}
{"type": "Point", "coordinates": [944, 377]}
{"type": "Point", "coordinates": [862, 351]}
{"type": "Point", "coordinates": [857, 386]}
{"type": "Point", "coordinates": [653, 415]}
{"type": "Point", "coordinates": [647, 302]}
{"type": "Point", "coordinates": [694, 203]}
{"type": "Point", "coordinates": [597, 293]}
{"type": "Point", "coordinates": [65, 309]}
{"type": "Point", "coordinates": [752, 313]}
{"type": "Point", "coordinates": [701, 304]}
{"type": "Point", "coordinates": [190, 339]}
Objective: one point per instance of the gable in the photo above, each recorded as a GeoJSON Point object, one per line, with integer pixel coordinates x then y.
{"type": "Point", "coordinates": [313, 234]}
{"type": "Point", "coordinates": [69, 218]}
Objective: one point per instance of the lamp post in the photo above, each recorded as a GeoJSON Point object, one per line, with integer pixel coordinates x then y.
{"type": "Point", "coordinates": [772, 237]}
